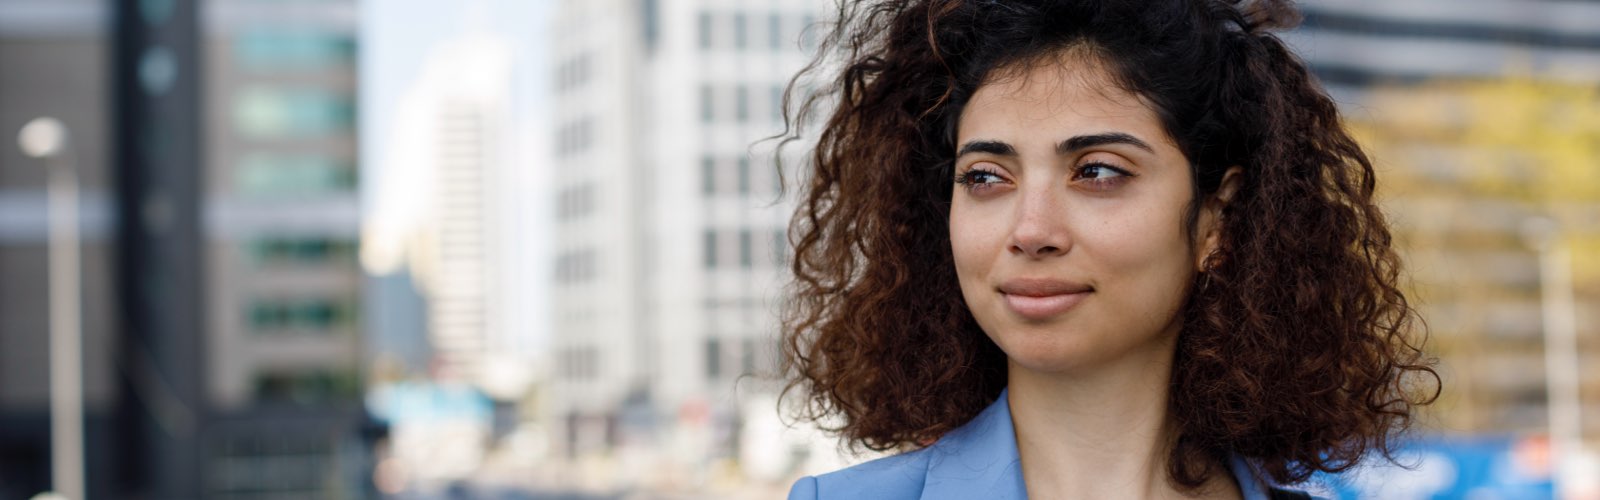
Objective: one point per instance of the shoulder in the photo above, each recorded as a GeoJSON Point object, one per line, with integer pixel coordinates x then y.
{"type": "Point", "coordinates": [889, 478]}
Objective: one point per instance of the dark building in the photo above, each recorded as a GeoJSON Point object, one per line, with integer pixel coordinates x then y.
{"type": "Point", "coordinates": [216, 148]}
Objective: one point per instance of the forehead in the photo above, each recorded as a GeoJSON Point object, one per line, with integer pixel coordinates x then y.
{"type": "Point", "coordinates": [1066, 92]}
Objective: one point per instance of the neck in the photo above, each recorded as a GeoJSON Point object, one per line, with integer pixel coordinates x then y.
{"type": "Point", "coordinates": [1097, 432]}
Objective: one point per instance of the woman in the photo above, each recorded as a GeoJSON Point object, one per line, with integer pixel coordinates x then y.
{"type": "Point", "coordinates": [1090, 249]}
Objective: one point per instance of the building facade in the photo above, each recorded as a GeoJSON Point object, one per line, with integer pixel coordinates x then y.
{"type": "Point", "coordinates": [280, 226]}
{"type": "Point", "coordinates": [670, 234]}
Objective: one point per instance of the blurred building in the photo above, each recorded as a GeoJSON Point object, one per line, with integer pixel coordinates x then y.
{"type": "Point", "coordinates": [281, 222]}
{"type": "Point", "coordinates": [55, 53]}
{"type": "Point", "coordinates": [451, 165]}
{"type": "Point", "coordinates": [1461, 106]}
{"type": "Point", "coordinates": [669, 235]}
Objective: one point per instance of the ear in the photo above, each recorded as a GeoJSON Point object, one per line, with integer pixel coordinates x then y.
{"type": "Point", "coordinates": [1210, 220]}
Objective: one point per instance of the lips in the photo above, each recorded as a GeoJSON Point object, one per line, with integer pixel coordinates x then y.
{"type": "Point", "coordinates": [1039, 299]}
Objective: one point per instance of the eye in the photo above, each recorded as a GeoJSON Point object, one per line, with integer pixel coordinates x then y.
{"type": "Point", "coordinates": [977, 179]}
{"type": "Point", "coordinates": [1100, 176]}
{"type": "Point", "coordinates": [1098, 171]}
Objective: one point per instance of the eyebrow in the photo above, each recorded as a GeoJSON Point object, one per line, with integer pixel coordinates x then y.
{"type": "Point", "coordinates": [1070, 145]}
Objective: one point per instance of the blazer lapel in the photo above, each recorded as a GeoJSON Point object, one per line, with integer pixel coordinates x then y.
{"type": "Point", "coordinates": [977, 460]}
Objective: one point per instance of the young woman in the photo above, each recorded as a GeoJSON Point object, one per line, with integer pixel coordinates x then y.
{"type": "Point", "coordinates": [1090, 249]}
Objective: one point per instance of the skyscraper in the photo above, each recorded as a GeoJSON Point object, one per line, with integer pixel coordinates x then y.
{"type": "Point", "coordinates": [669, 234]}
{"type": "Point", "coordinates": [281, 222]}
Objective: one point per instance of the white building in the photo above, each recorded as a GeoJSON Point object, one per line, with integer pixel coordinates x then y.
{"type": "Point", "coordinates": [448, 208]}
{"type": "Point", "coordinates": [669, 237]}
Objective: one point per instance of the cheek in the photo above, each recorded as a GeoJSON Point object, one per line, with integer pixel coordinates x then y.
{"type": "Point", "coordinates": [1146, 255]}
{"type": "Point", "coordinates": [975, 239]}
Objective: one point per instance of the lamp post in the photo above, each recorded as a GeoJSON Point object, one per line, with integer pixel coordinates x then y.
{"type": "Point", "coordinates": [45, 138]}
{"type": "Point", "coordinates": [1560, 349]}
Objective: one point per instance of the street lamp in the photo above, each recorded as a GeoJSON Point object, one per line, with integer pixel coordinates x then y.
{"type": "Point", "coordinates": [1560, 350]}
{"type": "Point", "coordinates": [45, 138]}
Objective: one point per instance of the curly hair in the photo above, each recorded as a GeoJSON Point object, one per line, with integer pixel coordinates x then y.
{"type": "Point", "coordinates": [1299, 353]}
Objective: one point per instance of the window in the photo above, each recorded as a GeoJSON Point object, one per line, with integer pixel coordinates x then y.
{"type": "Point", "coordinates": [713, 359]}
{"type": "Point", "coordinates": [580, 363]}
{"type": "Point", "coordinates": [299, 251]}
{"type": "Point", "coordinates": [708, 175]}
{"type": "Point", "coordinates": [744, 175]}
{"type": "Point", "coordinates": [741, 32]}
{"type": "Point", "coordinates": [311, 387]}
{"type": "Point", "coordinates": [574, 202]}
{"type": "Point", "coordinates": [745, 259]}
{"type": "Point", "coordinates": [286, 175]}
{"type": "Point", "coordinates": [780, 246]}
{"type": "Point", "coordinates": [747, 359]}
{"type": "Point", "coordinates": [576, 266]}
{"type": "Point", "coordinates": [710, 249]}
{"type": "Point", "coordinates": [265, 112]}
{"type": "Point", "coordinates": [774, 31]}
{"type": "Point", "coordinates": [708, 110]}
{"type": "Point", "coordinates": [277, 49]}
{"type": "Point", "coordinates": [572, 73]}
{"type": "Point", "coordinates": [574, 137]}
{"type": "Point", "coordinates": [741, 104]}
{"type": "Point", "coordinates": [314, 315]}
{"type": "Point", "coordinates": [705, 31]}
{"type": "Point", "coordinates": [651, 14]}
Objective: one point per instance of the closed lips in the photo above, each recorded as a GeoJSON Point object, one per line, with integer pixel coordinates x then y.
{"type": "Point", "coordinates": [1040, 300]}
{"type": "Point", "coordinates": [1042, 288]}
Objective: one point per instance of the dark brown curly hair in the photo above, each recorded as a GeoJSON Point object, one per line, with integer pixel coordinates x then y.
{"type": "Point", "coordinates": [1299, 353]}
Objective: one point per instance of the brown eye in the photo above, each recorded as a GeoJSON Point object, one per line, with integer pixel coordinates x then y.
{"type": "Point", "coordinates": [977, 177]}
{"type": "Point", "coordinates": [1099, 171]}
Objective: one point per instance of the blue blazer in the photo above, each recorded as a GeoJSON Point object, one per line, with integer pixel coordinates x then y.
{"type": "Point", "coordinates": [977, 460]}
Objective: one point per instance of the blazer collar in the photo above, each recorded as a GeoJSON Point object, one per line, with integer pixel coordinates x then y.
{"type": "Point", "coordinates": [980, 460]}
{"type": "Point", "coordinates": [977, 460]}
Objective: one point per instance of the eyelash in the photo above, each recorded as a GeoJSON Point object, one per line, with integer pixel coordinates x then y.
{"type": "Point", "coordinates": [969, 178]}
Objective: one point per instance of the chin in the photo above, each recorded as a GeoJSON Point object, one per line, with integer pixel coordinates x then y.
{"type": "Point", "coordinates": [1045, 348]}
{"type": "Point", "coordinates": [1060, 348]}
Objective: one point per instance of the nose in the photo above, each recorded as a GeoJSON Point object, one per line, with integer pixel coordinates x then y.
{"type": "Point", "coordinates": [1039, 229]}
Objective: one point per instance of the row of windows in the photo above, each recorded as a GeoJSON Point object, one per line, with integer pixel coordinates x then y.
{"type": "Point", "coordinates": [748, 30]}
{"type": "Point", "coordinates": [308, 388]}
{"type": "Point", "coordinates": [275, 49]}
{"type": "Point", "coordinates": [579, 363]}
{"type": "Point", "coordinates": [270, 316]}
{"type": "Point", "coordinates": [575, 202]}
{"type": "Point", "coordinates": [738, 103]}
{"type": "Point", "coordinates": [574, 72]}
{"type": "Point", "coordinates": [722, 358]}
{"type": "Point", "coordinates": [274, 113]}
{"type": "Point", "coordinates": [277, 175]}
{"type": "Point", "coordinates": [750, 355]}
{"type": "Point", "coordinates": [729, 249]}
{"type": "Point", "coordinates": [576, 266]}
{"type": "Point", "coordinates": [271, 252]}
{"type": "Point", "coordinates": [574, 137]}
{"type": "Point", "coordinates": [745, 179]}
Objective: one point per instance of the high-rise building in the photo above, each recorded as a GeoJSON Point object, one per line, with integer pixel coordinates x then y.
{"type": "Point", "coordinates": [1460, 104]}
{"type": "Point", "coordinates": [280, 229]}
{"type": "Point", "coordinates": [669, 239]}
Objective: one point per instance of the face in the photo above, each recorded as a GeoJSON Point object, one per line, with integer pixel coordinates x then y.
{"type": "Point", "coordinates": [1066, 220]}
